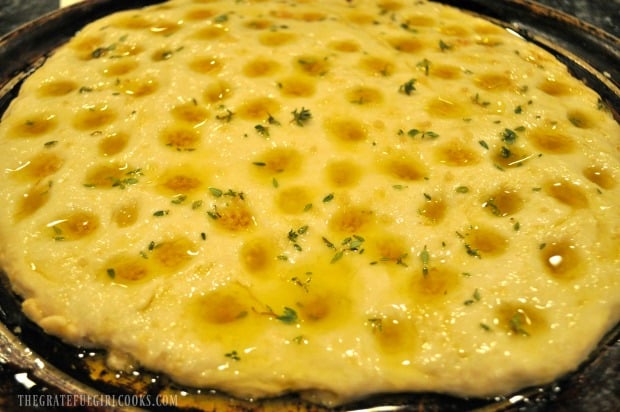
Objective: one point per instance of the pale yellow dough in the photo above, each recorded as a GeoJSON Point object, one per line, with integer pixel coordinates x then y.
{"type": "Point", "coordinates": [340, 197]}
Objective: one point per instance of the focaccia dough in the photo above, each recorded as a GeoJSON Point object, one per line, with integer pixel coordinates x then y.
{"type": "Point", "coordinates": [347, 197]}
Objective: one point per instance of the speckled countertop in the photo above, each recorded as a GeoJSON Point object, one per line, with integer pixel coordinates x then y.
{"type": "Point", "coordinates": [604, 386]}
{"type": "Point", "coordinates": [601, 13]}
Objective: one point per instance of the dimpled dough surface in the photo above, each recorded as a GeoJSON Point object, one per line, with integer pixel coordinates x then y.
{"type": "Point", "coordinates": [252, 195]}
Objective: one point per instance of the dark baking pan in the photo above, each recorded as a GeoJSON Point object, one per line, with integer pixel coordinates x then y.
{"type": "Point", "coordinates": [33, 363]}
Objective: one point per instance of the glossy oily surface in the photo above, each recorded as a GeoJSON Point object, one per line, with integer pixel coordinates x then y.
{"type": "Point", "coordinates": [353, 221]}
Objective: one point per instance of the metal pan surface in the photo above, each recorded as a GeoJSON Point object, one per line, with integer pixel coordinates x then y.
{"type": "Point", "coordinates": [33, 363]}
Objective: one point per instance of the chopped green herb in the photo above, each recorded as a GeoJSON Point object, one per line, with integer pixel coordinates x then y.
{"type": "Point", "coordinates": [400, 260]}
{"type": "Point", "coordinates": [111, 273]}
{"type": "Point", "coordinates": [407, 27]}
{"type": "Point", "coordinates": [299, 339]}
{"type": "Point", "coordinates": [516, 324]}
{"type": "Point", "coordinates": [576, 121]}
{"type": "Point", "coordinates": [233, 355]}
{"type": "Point", "coordinates": [328, 198]}
{"type": "Point", "coordinates": [289, 316]}
{"type": "Point", "coordinates": [483, 144]}
{"type": "Point", "coordinates": [339, 254]}
{"type": "Point", "coordinates": [161, 213]}
{"type": "Point", "coordinates": [505, 152]}
{"type": "Point", "coordinates": [425, 65]}
{"type": "Point", "coordinates": [492, 207]}
{"type": "Point", "coordinates": [349, 244]}
{"type": "Point", "coordinates": [123, 183]}
{"type": "Point", "coordinates": [166, 54]}
{"type": "Point", "coordinates": [178, 199]}
{"type": "Point", "coordinates": [462, 189]}
{"type": "Point", "coordinates": [425, 257]}
{"type": "Point", "coordinates": [408, 87]}
{"type": "Point", "coordinates": [99, 52]}
{"type": "Point", "coordinates": [443, 46]}
{"type": "Point", "coordinates": [423, 134]}
{"type": "Point", "coordinates": [216, 192]}
{"type": "Point", "coordinates": [233, 193]}
{"type": "Point", "coordinates": [222, 18]}
{"type": "Point", "coordinates": [128, 181]}
{"type": "Point", "coordinates": [471, 251]}
{"type": "Point", "coordinates": [303, 283]}
{"type": "Point", "coordinates": [213, 214]}
{"type": "Point", "coordinates": [476, 99]}
{"type": "Point", "coordinates": [293, 235]}
{"type": "Point", "coordinates": [475, 298]}
{"type": "Point", "coordinates": [328, 243]}
{"type": "Point", "coordinates": [273, 121]}
{"type": "Point", "coordinates": [353, 243]}
{"type": "Point", "coordinates": [301, 117]}
{"type": "Point", "coordinates": [227, 116]}
{"type": "Point", "coordinates": [262, 130]}
{"type": "Point", "coordinates": [509, 136]}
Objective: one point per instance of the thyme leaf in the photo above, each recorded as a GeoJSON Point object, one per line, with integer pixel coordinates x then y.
{"type": "Point", "coordinates": [301, 117]}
